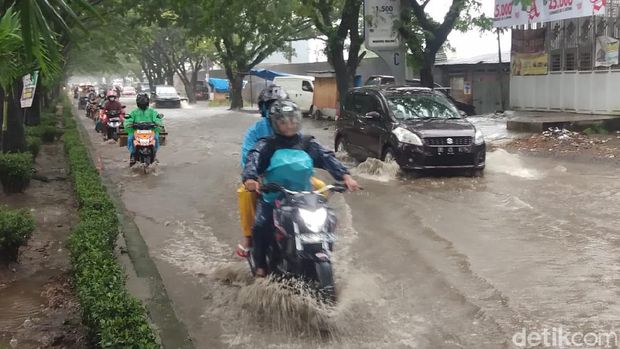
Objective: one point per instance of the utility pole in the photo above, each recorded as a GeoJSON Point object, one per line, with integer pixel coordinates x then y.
{"type": "Point", "coordinates": [500, 69]}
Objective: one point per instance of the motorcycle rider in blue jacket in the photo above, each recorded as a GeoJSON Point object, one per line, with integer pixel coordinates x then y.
{"type": "Point", "coordinates": [288, 159]}
{"type": "Point", "coordinates": [261, 129]}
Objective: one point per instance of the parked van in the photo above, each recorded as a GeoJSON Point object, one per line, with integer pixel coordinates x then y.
{"type": "Point", "coordinates": [300, 89]}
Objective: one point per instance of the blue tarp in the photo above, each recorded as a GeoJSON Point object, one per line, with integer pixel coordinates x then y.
{"type": "Point", "coordinates": [219, 85]}
{"type": "Point", "coordinates": [266, 74]}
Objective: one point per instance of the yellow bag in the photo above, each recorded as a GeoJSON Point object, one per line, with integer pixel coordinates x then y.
{"type": "Point", "coordinates": [247, 205]}
{"type": "Point", "coordinates": [247, 209]}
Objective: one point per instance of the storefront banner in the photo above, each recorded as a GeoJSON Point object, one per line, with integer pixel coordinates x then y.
{"type": "Point", "coordinates": [508, 13]}
{"type": "Point", "coordinates": [606, 51]}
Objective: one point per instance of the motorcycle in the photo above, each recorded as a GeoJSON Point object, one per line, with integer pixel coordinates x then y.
{"type": "Point", "coordinates": [92, 109]}
{"type": "Point", "coordinates": [144, 143]}
{"type": "Point", "coordinates": [82, 102]}
{"type": "Point", "coordinates": [304, 238]}
{"type": "Point", "coordinates": [111, 123]}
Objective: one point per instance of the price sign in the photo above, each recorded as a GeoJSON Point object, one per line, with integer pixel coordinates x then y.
{"type": "Point", "coordinates": [380, 19]}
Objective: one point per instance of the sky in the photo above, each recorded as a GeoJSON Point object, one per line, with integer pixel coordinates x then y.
{"type": "Point", "coordinates": [466, 45]}
{"type": "Point", "coordinates": [472, 43]}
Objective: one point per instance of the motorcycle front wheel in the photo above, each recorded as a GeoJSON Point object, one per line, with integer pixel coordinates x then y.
{"type": "Point", "coordinates": [325, 280]}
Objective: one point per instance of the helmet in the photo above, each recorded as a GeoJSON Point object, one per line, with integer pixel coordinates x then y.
{"type": "Point", "coordinates": [110, 95]}
{"type": "Point", "coordinates": [142, 100]}
{"type": "Point", "coordinates": [284, 112]}
{"type": "Point", "coordinates": [268, 95]}
{"type": "Point", "coordinates": [101, 94]}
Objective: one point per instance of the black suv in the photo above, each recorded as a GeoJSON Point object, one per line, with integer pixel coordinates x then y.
{"type": "Point", "coordinates": [417, 127]}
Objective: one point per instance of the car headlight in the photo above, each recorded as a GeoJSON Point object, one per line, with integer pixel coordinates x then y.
{"type": "Point", "coordinates": [314, 220]}
{"type": "Point", "coordinates": [479, 137]}
{"type": "Point", "coordinates": [406, 136]}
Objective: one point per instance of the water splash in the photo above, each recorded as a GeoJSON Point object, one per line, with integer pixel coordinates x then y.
{"type": "Point", "coordinates": [501, 161]}
{"type": "Point", "coordinates": [377, 170]}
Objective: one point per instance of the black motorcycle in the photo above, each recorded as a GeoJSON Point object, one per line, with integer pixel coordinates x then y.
{"type": "Point", "coordinates": [304, 238]}
{"type": "Point", "coordinates": [113, 124]}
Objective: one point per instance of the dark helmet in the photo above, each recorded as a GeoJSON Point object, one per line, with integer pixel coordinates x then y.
{"type": "Point", "coordinates": [268, 95]}
{"type": "Point", "coordinates": [143, 100]}
{"type": "Point", "coordinates": [284, 110]}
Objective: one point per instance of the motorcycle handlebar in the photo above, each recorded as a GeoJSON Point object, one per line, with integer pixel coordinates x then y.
{"type": "Point", "coordinates": [273, 188]}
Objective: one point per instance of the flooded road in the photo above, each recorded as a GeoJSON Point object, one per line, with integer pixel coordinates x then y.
{"type": "Point", "coordinates": [433, 262]}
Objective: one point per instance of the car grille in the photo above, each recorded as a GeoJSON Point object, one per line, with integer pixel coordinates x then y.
{"type": "Point", "coordinates": [443, 141]}
{"type": "Point", "coordinates": [450, 160]}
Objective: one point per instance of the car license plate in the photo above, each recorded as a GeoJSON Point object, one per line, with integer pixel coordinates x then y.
{"type": "Point", "coordinates": [448, 150]}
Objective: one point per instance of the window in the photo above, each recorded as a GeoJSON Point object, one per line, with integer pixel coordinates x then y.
{"type": "Point", "coordinates": [372, 104]}
{"type": "Point", "coordinates": [570, 61]}
{"type": "Point", "coordinates": [556, 62]}
{"type": "Point", "coordinates": [586, 43]}
{"type": "Point", "coordinates": [307, 86]}
{"type": "Point", "coordinates": [423, 106]}
{"type": "Point", "coordinates": [354, 103]}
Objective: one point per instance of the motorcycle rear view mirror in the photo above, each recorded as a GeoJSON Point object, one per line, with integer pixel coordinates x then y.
{"type": "Point", "coordinates": [124, 106]}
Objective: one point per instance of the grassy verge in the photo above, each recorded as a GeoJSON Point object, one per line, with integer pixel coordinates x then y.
{"type": "Point", "coordinates": [113, 318]}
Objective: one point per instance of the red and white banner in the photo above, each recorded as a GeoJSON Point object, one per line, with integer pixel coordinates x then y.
{"type": "Point", "coordinates": [510, 13]}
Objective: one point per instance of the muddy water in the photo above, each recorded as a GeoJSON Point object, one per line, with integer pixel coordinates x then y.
{"type": "Point", "coordinates": [431, 262]}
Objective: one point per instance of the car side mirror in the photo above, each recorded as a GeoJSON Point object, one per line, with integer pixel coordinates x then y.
{"type": "Point", "coordinates": [161, 116]}
{"type": "Point", "coordinates": [463, 114]}
{"type": "Point", "coordinates": [372, 115]}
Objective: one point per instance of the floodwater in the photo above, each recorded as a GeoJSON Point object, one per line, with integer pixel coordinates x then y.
{"type": "Point", "coordinates": [421, 262]}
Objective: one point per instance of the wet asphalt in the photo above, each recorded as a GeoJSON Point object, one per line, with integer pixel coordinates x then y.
{"type": "Point", "coordinates": [421, 262]}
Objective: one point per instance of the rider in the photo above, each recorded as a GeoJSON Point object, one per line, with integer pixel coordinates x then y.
{"type": "Point", "coordinates": [261, 129]}
{"type": "Point", "coordinates": [286, 158]}
{"type": "Point", "coordinates": [141, 114]}
{"type": "Point", "coordinates": [110, 105]}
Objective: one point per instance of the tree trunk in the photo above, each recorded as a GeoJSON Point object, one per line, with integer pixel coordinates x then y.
{"type": "Point", "coordinates": [33, 114]}
{"type": "Point", "coordinates": [14, 138]}
{"type": "Point", "coordinates": [236, 88]}
{"type": "Point", "coordinates": [426, 72]}
{"type": "Point", "coordinates": [189, 88]}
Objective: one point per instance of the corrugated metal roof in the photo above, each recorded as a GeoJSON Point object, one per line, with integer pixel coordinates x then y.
{"type": "Point", "coordinates": [488, 58]}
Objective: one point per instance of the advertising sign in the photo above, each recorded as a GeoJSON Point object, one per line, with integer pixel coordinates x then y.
{"type": "Point", "coordinates": [606, 51]}
{"type": "Point", "coordinates": [509, 13]}
{"type": "Point", "coordinates": [381, 18]}
{"type": "Point", "coordinates": [30, 86]}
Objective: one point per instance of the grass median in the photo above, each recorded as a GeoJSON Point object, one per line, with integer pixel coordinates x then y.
{"type": "Point", "coordinates": [114, 318]}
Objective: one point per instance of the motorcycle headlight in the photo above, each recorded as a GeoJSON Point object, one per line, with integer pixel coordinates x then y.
{"type": "Point", "coordinates": [406, 136]}
{"type": "Point", "coordinates": [479, 137]}
{"type": "Point", "coordinates": [314, 220]}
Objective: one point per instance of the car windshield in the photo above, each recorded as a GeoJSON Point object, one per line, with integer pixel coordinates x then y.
{"type": "Point", "coordinates": [166, 91]}
{"type": "Point", "coordinates": [422, 106]}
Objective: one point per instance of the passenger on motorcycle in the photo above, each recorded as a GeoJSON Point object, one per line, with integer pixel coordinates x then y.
{"type": "Point", "coordinates": [261, 129]}
{"type": "Point", "coordinates": [141, 114]}
{"type": "Point", "coordinates": [288, 159]}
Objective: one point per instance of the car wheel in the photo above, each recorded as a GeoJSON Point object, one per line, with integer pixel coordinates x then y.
{"type": "Point", "coordinates": [388, 155]}
{"type": "Point", "coordinates": [340, 146]}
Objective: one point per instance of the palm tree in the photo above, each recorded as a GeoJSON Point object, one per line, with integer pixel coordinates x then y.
{"type": "Point", "coordinates": [38, 24]}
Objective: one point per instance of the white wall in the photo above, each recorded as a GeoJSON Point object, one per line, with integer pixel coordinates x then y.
{"type": "Point", "coordinates": [596, 92]}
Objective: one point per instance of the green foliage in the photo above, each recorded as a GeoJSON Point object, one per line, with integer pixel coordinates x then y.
{"type": "Point", "coordinates": [16, 227]}
{"type": "Point", "coordinates": [15, 171]}
{"type": "Point", "coordinates": [596, 129]}
{"type": "Point", "coordinates": [34, 145]}
{"type": "Point", "coordinates": [113, 318]}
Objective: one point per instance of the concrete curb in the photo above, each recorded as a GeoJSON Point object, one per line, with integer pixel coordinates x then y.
{"type": "Point", "coordinates": [172, 332]}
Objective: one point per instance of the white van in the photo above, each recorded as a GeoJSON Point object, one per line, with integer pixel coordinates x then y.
{"type": "Point", "coordinates": [300, 89]}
